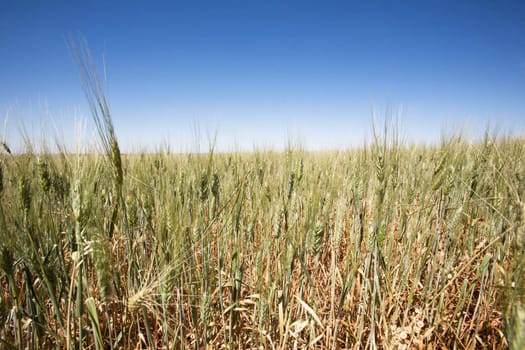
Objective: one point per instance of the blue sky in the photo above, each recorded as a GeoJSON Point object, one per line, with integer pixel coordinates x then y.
{"type": "Point", "coordinates": [260, 73]}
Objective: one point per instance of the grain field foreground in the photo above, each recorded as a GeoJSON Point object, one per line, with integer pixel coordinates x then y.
{"type": "Point", "coordinates": [387, 246]}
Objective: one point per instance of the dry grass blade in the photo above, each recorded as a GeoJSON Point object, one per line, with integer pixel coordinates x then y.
{"type": "Point", "coordinates": [310, 311]}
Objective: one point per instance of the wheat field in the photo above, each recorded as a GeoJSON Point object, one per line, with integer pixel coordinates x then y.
{"type": "Point", "coordinates": [387, 246]}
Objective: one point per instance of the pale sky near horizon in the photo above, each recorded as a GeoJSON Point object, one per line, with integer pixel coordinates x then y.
{"type": "Point", "coordinates": [264, 73]}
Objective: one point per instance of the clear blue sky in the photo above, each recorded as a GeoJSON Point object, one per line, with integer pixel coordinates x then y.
{"type": "Point", "coordinates": [262, 72]}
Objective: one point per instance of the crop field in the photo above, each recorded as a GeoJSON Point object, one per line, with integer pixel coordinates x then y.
{"type": "Point", "coordinates": [387, 246]}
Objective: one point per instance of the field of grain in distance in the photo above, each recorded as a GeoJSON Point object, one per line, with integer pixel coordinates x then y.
{"type": "Point", "coordinates": [385, 246]}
